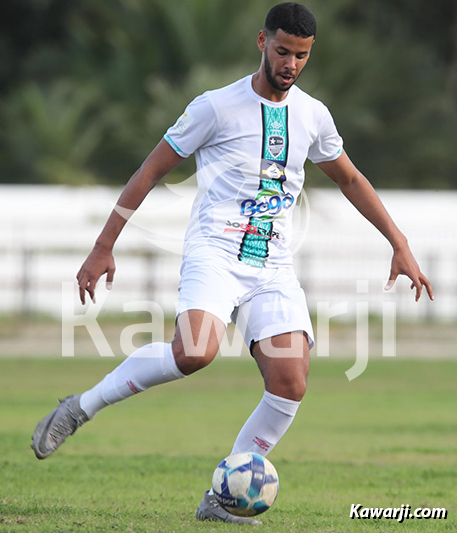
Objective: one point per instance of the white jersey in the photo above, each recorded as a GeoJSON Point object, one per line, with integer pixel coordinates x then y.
{"type": "Point", "coordinates": [250, 154]}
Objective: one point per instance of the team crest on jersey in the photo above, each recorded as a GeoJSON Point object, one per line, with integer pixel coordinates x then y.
{"type": "Point", "coordinates": [276, 145]}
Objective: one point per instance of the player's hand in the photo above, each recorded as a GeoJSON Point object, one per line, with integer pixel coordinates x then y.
{"type": "Point", "coordinates": [403, 262]}
{"type": "Point", "coordinates": [100, 261]}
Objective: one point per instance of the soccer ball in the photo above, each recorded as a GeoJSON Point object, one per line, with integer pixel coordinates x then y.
{"type": "Point", "coordinates": [245, 484]}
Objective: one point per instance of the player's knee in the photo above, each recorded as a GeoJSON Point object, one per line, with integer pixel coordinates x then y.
{"type": "Point", "coordinates": [191, 359]}
{"type": "Point", "coordinates": [295, 390]}
{"type": "Point", "coordinates": [298, 390]}
{"type": "Point", "coordinates": [290, 387]}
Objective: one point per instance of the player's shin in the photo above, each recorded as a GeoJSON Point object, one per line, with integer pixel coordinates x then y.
{"type": "Point", "coordinates": [148, 366]}
{"type": "Point", "coordinates": [267, 424]}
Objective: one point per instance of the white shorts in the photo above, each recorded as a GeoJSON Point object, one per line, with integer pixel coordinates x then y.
{"type": "Point", "coordinates": [263, 302]}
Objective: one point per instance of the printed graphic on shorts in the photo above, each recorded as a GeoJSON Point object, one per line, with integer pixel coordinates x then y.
{"type": "Point", "coordinates": [271, 201]}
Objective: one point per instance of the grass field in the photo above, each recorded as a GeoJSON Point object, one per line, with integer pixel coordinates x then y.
{"type": "Point", "coordinates": [387, 438]}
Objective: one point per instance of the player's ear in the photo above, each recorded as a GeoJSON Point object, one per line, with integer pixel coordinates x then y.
{"type": "Point", "coordinates": [262, 40]}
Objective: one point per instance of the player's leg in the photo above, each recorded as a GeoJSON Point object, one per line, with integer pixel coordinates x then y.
{"type": "Point", "coordinates": [197, 339]}
{"type": "Point", "coordinates": [283, 361]}
{"type": "Point", "coordinates": [204, 287]}
{"type": "Point", "coordinates": [274, 323]}
{"type": "Point", "coordinates": [278, 318]}
{"type": "Point", "coordinates": [195, 345]}
{"type": "Point", "coordinates": [285, 385]}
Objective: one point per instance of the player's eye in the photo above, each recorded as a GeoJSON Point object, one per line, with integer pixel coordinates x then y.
{"type": "Point", "coordinates": [282, 53]}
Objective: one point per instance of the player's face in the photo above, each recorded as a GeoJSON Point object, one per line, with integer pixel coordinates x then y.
{"type": "Point", "coordinates": [285, 56]}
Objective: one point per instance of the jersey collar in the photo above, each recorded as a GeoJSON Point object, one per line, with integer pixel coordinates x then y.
{"type": "Point", "coordinates": [253, 94]}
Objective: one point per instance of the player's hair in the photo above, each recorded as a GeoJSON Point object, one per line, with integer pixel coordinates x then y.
{"type": "Point", "coordinates": [290, 17]}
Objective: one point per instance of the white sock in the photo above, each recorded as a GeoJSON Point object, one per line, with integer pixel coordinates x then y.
{"type": "Point", "coordinates": [267, 424]}
{"type": "Point", "coordinates": [150, 365]}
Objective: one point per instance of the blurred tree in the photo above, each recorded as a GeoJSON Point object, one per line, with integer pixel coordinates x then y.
{"type": "Point", "coordinates": [124, 70]}
{"type": "Point", "coordinates": [388, 91]}
{"type": "Point", "coordinates": [53, 132]}
{"type": "Point", "coordinates": [32, 36]}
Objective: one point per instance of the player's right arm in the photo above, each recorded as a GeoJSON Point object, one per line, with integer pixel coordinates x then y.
{"type": "Point", "coordinates": [100, 261]}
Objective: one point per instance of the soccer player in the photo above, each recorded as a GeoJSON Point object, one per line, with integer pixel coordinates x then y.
{"type": "Point", "coordinates": [250, 140]}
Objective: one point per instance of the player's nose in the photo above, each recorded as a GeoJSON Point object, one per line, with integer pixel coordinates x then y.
{"type": "Point", "coordinates": [291, 64]}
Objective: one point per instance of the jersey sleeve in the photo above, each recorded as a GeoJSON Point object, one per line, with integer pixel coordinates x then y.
{"type": "Point", "coordinates": [328, 144]}
{"type": "Point", "coordinates": [194, 129]}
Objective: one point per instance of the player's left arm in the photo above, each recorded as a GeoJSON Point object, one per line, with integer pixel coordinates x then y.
{"type": "Point", "coordinates": [361, 194]}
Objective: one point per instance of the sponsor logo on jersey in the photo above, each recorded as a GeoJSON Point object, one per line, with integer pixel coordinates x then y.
{"type": "Point", "coordinates": [183, 122]}
{"type": "Point", "coordinates": [272, 201]}
{"type": "Point", "coordinates": [273, 170]}
{"type": "Point", "coordinates": [268, 205]}
{"type": "Point", "coordinates": [276, 126]}
{"type": "Point", "coordinates": [252, 230]}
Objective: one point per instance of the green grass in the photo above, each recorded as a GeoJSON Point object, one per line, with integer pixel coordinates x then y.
{"type": "Point", "coordinates": [389, 437]}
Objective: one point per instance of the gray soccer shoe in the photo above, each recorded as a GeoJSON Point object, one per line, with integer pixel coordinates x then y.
{"type": "Point", "coordinates": [209, 509]}
{"type": "Point", "coordinates": [60, 423]}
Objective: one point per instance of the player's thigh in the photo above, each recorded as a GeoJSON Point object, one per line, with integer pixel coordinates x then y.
{"type": "Point", "coordinates": [208, 286]}
{"type": "Point", "coordinates": [197, 338]}
{"type": "Point", "coordinates": [279, 307]}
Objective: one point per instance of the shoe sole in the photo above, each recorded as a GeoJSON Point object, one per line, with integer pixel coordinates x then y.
{"type": "Point", "coordinates": [200, 515]}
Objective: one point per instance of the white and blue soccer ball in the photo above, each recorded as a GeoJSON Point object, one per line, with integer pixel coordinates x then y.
{"type": "Point", "coordinates": [245, 484]}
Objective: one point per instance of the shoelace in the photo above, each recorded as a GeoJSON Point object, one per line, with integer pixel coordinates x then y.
{"type": "Point", "coordinates": [65, 427]}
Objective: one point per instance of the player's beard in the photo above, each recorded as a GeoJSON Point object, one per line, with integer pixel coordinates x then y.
{"type": "Point", "coordinates": [270, 78]}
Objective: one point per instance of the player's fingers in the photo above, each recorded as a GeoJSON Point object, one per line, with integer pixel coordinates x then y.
{"type": "Point", "coordinates": [392, 277]}
{"type": "Point", "coordinates": [110, 277]}
{"type": "Point", "coordinates": [86, 284]}
{"type": "Point", "coordinates": [90, 288]}
{"type": "Point", "coordinates": [417, 283]}
{"type": "Point", "coordinates": [428, 287]}
{"type": "Point", "coordinates": [82, 289]}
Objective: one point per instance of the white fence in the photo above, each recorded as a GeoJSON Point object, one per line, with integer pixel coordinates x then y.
{"type": "Point", "coordinates": [47, 231]}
